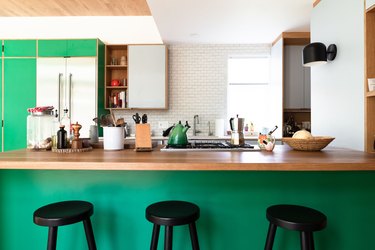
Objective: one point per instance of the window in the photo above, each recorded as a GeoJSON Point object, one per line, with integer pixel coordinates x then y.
{"type": "Point", "coordinates": [248, 90]}
{"type": "Point", "coordinates": [248, 70]}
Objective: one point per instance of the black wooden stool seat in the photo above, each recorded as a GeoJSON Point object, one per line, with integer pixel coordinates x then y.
{"type": "Point", "coordinates": [303, 219]}
{"type": "Point", "coordinates": [65, 213]}
{"type": "Point", "coordinates": [169, 214]}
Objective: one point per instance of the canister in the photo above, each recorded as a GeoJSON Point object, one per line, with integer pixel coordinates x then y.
{"type": "Point", "coordinates": [40, 128]}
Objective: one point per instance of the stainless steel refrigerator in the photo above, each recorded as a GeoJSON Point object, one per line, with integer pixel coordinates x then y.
{"type": "Point", "coordinates": [69, 83]}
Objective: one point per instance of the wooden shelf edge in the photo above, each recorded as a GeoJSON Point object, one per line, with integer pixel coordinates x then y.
{"type": "Point", "coordinates": [116, 66]}
{"type": "Point", "coordinates": [371, 9]}
{"type": "Point", "coordinates": [116, 87]}
{"type": "Point", "coordinates": [297, 110]}
{"type": "Point", "coordinates": [370, 94]}
{"type": "Point", "coordinates": [117, 108]}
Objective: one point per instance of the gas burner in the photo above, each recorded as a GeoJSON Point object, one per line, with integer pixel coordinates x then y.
{"type": "Point", "coordinates": [210, 146]}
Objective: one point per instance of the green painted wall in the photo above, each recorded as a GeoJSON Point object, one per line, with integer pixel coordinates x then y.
{"type": "Point", "coordinates": [101, 90]}
{"type": "Point", "coordinates": [232, 206]}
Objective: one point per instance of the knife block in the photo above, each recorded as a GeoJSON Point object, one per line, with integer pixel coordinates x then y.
{"type": "Point", "coordinates": [143, 137]}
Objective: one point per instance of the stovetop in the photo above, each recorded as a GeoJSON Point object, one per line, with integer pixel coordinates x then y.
{"type": "Point", "coordinates": [211, 146]}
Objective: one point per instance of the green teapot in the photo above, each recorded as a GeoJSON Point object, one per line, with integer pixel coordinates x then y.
{"type": "Point", "coordinates": [178, 137]}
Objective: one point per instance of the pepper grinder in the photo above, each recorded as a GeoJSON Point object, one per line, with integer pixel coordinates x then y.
{"type": "Point", "coordinates": [76, 142]}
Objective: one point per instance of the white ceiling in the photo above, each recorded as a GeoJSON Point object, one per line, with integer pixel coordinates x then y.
{"type": "Point", "coordinates": [224, 21]}
{"type": "Point", "coordinates": [177, 21]}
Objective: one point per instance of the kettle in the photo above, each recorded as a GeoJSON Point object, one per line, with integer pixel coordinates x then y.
{"type": "Point", "coordinates": [178, 137]}
{"type": "Point", "coordinates": [236, 126]}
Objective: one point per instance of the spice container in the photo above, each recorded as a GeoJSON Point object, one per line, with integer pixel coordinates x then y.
{"type": "Point", "coordinates": [39, 128]}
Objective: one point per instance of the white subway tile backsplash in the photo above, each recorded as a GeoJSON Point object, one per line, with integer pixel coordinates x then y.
{"type": "Point", "coordinates": [197, 84]}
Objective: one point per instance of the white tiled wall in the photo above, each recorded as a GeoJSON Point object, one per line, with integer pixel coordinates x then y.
{"type": "Point", "coordinates": [197, 84]}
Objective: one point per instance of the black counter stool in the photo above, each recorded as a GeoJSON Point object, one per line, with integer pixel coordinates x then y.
{"type": "Point", "coordinates": [169, 214]}
{"type": "Point", "coordinates": [298, 218]}
{"type": "Point", "coordinates": [65, 213]}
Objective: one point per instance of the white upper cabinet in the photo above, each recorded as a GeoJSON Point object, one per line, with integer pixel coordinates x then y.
{"type": "Point", "coordinates": [147, 76]}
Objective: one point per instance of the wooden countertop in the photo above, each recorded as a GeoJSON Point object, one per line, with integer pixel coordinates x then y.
{"type": "Point", "coordinates": [282, 158]}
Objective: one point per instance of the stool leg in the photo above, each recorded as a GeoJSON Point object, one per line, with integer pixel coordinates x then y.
{"type": "Point", "coordinates": [270, 236]}
{"type": "Point", "coordinates": [307, 241]}
{"type": "Point", "coordinates": [168, 237]}
{"type": "Point", "coordinates": [194, 236]}
{"type": "Point", "coordinates": [155, 237]}
{"type": "Point", "coordinates": [89, 234]}
{"type": "Point", "coordinates": [52, 236]}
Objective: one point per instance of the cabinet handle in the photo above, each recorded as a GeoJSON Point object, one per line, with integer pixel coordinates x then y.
{"type": "Point", "coordinates": [70, 95]}
{"type": "Point", "coordinates": [59, 102]}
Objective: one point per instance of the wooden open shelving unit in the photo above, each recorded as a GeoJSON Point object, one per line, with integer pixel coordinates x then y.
{"type": "Point", "coordinates": [369, 73]}
{"type": "Point", "coordinates": [114, 70]}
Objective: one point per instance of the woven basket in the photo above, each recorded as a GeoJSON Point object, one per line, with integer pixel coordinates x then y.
{"type": "Point", "coordinates": [316, 143]}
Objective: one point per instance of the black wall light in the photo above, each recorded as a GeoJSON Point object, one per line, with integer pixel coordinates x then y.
{"type": "Point", "coordinates": [316, 53]}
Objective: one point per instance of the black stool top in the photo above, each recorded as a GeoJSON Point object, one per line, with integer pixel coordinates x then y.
{"type": "Point", "coordinates": [172, 213]}
{"type": "Point", "coordinates": [63, 213]}
{"type": "Point", "coordinates": [295, 217]}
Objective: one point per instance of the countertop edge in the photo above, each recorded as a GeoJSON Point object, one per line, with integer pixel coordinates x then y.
{"type": "Point", "coordinates": [281, 159]}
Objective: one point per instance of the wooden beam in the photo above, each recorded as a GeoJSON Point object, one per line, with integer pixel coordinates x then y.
{"type": "Point", "coordinates": [74, 8]}
{"type": "Point", "coordinates": [294, 38]}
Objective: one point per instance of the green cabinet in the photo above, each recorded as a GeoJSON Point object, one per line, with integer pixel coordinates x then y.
{"type": "Point", "coordinates": [19, 94]}
{"type": "Point", "coordinates": [18, 90]}
{"type": "Point", "coordinates": [69, 47]}
{"type": "Point", "coordinates": [18, 80]}
{"type": "Point", "coordinates": [1, 103]}
{"type": "Point", "coordinates": [19, 48]}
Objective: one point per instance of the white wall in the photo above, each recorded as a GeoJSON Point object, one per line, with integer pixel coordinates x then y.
{"type": "Point", "coordinates": [337, 88]}
{"type": "Point", "coordinates": [198, 84]}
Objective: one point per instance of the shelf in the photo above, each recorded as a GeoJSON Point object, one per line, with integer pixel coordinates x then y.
{"type": "Point", "coordinates": [117, 108]}
{"type": "Point", "coordinates": [297, 110]}
{"type": "Point", "coordinates": [116, 71]}
{"type": "Point", "coordinates": [116, 66]}
{"type": "Point", "coordinates": [369, 73]}
{"type": "Point", "coordinates": [116, 87]}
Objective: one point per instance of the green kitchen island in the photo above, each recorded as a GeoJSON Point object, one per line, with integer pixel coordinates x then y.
{"type": "Point", "coordinates": [233, 190]}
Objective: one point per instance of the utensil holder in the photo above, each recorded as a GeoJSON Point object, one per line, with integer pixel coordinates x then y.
{"type": "Point", "coordinates": [113, 138]}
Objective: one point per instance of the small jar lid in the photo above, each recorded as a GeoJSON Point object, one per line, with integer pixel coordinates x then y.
{"type": "Point", "coordinates": [40, 111]}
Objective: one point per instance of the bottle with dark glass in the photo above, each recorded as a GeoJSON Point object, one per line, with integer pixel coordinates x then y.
{"type": "Point", "coordinates": [61, 138]}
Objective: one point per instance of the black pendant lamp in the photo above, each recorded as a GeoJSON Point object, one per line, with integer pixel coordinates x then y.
{"type": "Point", "coordinates": [316, 53]}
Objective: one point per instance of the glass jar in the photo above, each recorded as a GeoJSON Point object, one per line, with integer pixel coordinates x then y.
{"type": "Point", "coordinates": [266, 142]}
{"type": "Point", "coordinates": [40, 129]}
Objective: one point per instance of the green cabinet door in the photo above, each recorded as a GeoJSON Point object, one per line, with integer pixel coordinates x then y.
{"type": "Point", "coordinates": [82, 47]}
{"type": "Point", "coordinates": [71, 47]}
{"type": "Point", "coordinates": [19, 48]}
{"type": "Point", "coordinates": [19, 94]}
{"type": "Point", "coordinates": [52, 48]}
